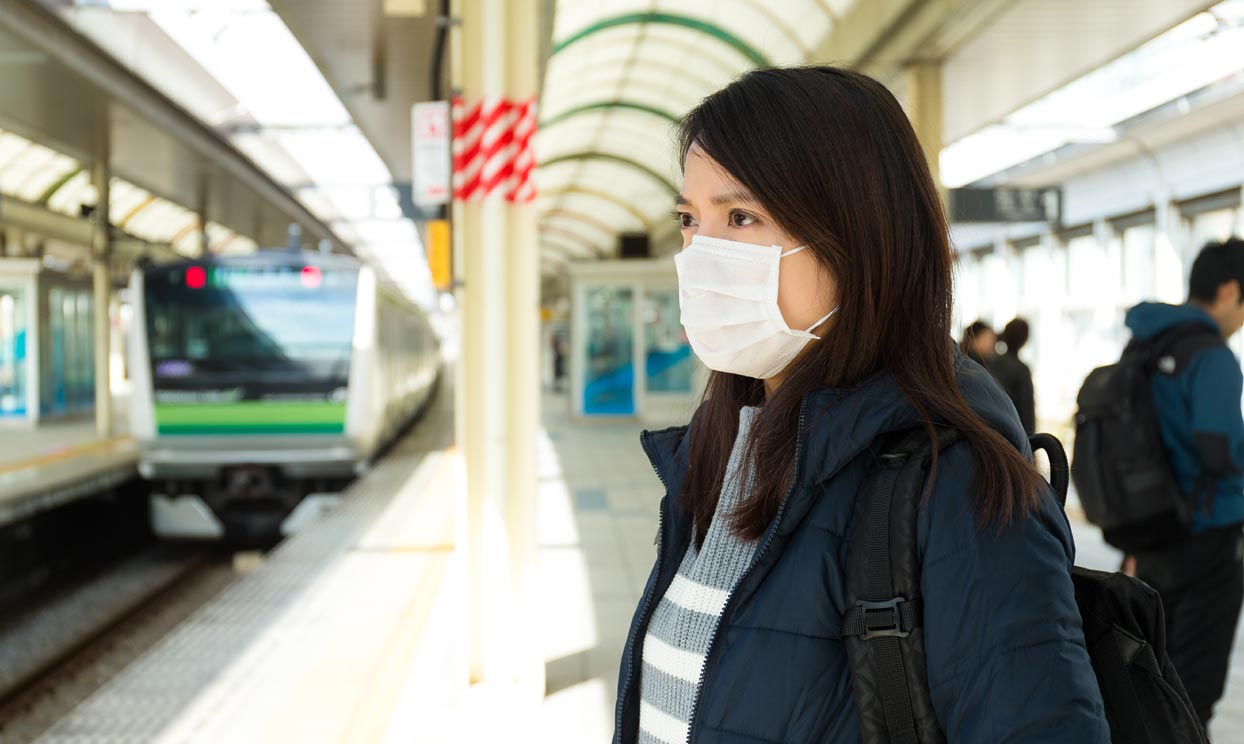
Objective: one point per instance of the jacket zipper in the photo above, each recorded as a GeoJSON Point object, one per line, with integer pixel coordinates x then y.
{"type": "Point", "coordinates": [645, 606]}
{"type": "Point", "coordinates": [725, 610]}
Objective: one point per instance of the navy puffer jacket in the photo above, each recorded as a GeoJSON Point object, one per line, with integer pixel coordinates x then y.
{"type": "Point", "coordinates": [1006, 654]}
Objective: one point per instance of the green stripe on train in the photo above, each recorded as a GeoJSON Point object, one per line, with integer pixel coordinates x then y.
{"type": "Point", "coordinates": [251, 417]}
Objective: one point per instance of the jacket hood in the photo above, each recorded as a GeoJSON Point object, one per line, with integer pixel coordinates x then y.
{"type": "Point", "coordinates": [1148, 319]}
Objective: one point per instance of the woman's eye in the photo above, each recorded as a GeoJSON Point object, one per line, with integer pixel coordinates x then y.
{"type": "Point", "coordinates": [741, 219]}
{"type": "Point", "coordinates": [685, 220]}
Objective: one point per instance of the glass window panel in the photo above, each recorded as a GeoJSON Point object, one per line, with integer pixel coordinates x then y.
{"type": "Point", "coordinates": [1093, 279]}
{"type": "Point", "coordinates": [1217, 225]}
{"type": "Point", "coordinates": [668, 364]}
{"type": "Point", "coordinates": [52, 383]}
{"type": "Point", "coordinates": [13, 353]}
{"type": "Point", "coordinates": [608, 388]}
{"type": "Point", "coordinates": [1139, 264]}
{"type": "Point", "coordinates": [249, 319]}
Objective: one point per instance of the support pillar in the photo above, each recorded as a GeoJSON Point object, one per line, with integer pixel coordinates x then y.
{"type": "Point", "coordinates": [924, 106]}
{"type": "Point", "coordinates": [495, 54]}
{"type": "Point", "coordinates": [523, 370]}
{"type": "Point", "coordinates": [101, 257]}
{"type": "Point", "coordinates": [205, 188]}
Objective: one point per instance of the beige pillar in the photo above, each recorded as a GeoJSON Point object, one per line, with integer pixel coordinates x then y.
{"type": "Point", "coordinates": [924, 106]}
{"type": "Point", "coordinates": [498, 380]}
{"type": "Point", "coordinates": [101, 256]}
{"type": "Point", "coordinates": [523, 369]}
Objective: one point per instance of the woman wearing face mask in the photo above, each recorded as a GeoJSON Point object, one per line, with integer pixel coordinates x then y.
{"type": "Point", "coordinates": [815, 281]}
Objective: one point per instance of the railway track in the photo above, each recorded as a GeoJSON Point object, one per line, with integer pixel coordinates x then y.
{"type": "Point", "coordinates": [54, 655]}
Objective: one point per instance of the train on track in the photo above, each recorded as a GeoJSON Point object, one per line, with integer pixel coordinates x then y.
{"type": "Point", "coordinates": [258, 379]}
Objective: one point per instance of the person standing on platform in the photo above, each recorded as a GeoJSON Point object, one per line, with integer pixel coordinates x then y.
{"type": "Point", "coordinates": [815, 282]}
{"type": "Point", "coordinates": [1014, 376]}
{"type": "Point", "coordinates": [980, 343]}
{"type": "Point", "coordinates": [1201, 577]}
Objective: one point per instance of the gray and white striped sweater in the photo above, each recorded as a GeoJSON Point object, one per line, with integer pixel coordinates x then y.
{"type": "Point", "coordinates": [683, 624]}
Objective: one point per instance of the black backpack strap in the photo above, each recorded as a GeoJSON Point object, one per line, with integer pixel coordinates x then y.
{"type": "Point", "coordinates": [882, 625]}
{"type": "Point", "coordinates": [1115, 654]}
{"type": "Point", "coordinates": [1172, 350]}
{"type": "Point", "coordinates": [1060, 471]}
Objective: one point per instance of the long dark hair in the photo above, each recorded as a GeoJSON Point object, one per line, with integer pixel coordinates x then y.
{"type": "Point", "coordinates": [830, 155]}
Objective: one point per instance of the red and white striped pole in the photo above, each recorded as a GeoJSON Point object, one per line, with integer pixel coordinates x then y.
{"type": "Point", "coordinates": [493, 152]}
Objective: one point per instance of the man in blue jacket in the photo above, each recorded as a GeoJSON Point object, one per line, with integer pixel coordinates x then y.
{"type": "Point", "coordinates": [1201, 578]}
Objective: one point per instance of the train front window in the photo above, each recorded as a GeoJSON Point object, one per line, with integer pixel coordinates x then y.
{"type": "Point", "coordinates": [284, 320]}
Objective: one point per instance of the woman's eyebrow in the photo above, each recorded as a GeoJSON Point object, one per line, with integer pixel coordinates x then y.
{"type": "Point", "coordinates": [735, 197]}
{"type": "Point", "coordinates": [729, 197]}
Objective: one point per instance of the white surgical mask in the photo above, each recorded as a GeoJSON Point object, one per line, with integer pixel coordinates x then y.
{"type": "Point", "coordinates": [728, 293]}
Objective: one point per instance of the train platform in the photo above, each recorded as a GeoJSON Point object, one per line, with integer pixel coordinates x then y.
{"type": "Point", "coordinates": [354, 630]}
{"type": "Point", "coordinates": [44, 467]}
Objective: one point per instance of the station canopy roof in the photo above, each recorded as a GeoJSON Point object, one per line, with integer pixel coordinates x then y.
{"type": "Point", "coordinates": [620, 74]}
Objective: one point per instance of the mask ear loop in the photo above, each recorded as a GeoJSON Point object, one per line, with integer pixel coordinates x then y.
{"type": "Point", "coordinates": [826, 317]}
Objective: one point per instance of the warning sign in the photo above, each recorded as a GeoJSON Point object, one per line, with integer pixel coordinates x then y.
{"type": "Point", "coordinates": [432, 178]}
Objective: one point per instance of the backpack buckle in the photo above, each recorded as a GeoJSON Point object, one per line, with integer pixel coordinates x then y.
{"type": "Point", "coordinates": [880, 619]}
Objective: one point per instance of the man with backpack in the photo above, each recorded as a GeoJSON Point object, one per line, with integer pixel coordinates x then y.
{"type": "Point", "coordinates": [1196, 396]}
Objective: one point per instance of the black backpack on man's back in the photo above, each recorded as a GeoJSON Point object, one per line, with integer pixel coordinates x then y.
{"type": "Point", "coordinates": [1124, 628]}
{"type": "Point", "coordinates": [1120, 466]}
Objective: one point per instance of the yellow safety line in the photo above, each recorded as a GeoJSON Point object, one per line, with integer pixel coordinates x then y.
{"type": "Point", "coordinates": [68, 454]}
{"type": "Point", "coordinates": [370, 723]}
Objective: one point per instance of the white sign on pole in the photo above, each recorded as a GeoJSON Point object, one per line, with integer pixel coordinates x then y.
{"type": "Point", "coordinates": [432, 179]}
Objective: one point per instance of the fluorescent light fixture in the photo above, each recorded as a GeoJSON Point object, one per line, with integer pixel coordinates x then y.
{"type": "Point", "coordinates": [341, 157]}
{"type": "Point", "coordinates": [249, 50]}
{"type": "Point", "coordinates": [305, 138]}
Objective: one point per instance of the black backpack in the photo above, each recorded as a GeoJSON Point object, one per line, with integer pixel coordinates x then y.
{"type": "Point", "coordinates": [1124, 628]}
{"type": "Point", "coordinates": [1121, 470]}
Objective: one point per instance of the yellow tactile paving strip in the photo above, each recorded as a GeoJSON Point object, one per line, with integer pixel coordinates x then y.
{"type": "Point", "coordinates": [102, 446]}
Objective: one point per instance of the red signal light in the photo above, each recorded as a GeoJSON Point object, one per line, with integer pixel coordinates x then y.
{"type": "Point", "coordinates": [311, 277]}
{"type": "Point", "coordinates": [196, 277]}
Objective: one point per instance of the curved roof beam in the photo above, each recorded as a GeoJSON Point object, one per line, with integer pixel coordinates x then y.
{"type": "Point", "coordinates": [183, 232]}
{"type": "Point", "coordinates": [146, 202]}
{"type": "Point", "coordinates": [644, 219]}
{"type": "Point", "coordinates": [561, 232]}
{"type": "Point", "coordinates": [51, 190]}
{"type": "Point", "coordinates": [645, 61]}
{"type": "Point", "coordinates": [553, 250]}
{"type": "Point", "coordinates": [559, 248]}
{"type": "Point", "coordinates": [608, 106]}
{"type": "Point", "coordinates": [577, 156]}
{"type": "Point", "coordinates": [716, 33]}
{"type": "Point", "coordinates": [571, 214]}
{"type": "Point", "coordinates": [564, 226]}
